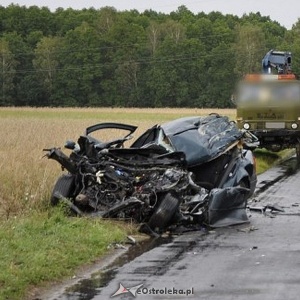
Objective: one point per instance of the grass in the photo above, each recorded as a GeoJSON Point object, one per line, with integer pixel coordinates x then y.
{"type": "Point", "coordinates": [104, 114]}
{"type": "Point", "coordinates": [38, 243]}
{"type": "Point", "coordinates": [46, 246]}
{"type": "Point", "coordinates": [266, 159]}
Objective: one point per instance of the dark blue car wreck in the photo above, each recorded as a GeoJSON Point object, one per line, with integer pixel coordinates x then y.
{"type": "Point", "coordinates": [187, 172]}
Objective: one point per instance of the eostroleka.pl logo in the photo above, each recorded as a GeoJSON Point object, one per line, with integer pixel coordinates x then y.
{"type": "Point", "coordinates": [138, 290]}
{"type": "Point", "coordinates": [124, 290]}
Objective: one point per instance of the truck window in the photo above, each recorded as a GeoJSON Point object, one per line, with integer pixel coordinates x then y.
{"type": "Point", "coordinates": [268, 92]}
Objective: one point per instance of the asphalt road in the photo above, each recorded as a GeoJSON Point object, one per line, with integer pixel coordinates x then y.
{"type": "Point", "coordinates": [255, 261]}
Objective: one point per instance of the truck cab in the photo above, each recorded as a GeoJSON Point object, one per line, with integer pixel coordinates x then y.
{"type": "Point", "coordinates": [268, 105]}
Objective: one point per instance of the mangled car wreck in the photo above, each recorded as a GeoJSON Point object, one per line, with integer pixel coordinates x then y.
{"type": "Point", "coordinates": [189, 171]}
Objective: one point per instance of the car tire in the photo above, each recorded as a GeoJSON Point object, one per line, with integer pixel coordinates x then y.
{"type": "Point", "coordinates": [162, 216]}
{"type": "Point", "coordinates": [63, 186]}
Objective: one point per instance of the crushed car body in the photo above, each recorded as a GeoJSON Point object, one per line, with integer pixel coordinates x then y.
{"type": "Point", "coordinates": [186, 172]}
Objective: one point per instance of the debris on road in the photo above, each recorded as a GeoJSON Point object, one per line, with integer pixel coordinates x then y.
{"type": "Point", "coordinates": [248, 229]}
{"type": "Point", "coordinates": [267, 209]}
{"type": "Point", "coordinates": [131, 240]}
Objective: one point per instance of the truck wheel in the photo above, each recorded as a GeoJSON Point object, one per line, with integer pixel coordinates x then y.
{"type": "Point", "coordinates": [164, 213]}
{"type": "Point", "coordinates": [63, 186]}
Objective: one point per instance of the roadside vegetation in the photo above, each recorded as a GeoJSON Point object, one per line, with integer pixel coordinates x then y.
{"type": "Point", "coordinates": [43, 246]}
{"type": "Point", "coordinates": [266, 159]}
{"type": "Point", "coordinates": [39, 243]}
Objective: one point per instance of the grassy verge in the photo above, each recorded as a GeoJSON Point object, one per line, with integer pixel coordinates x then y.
{"type": "Point", "coordinates": [46, 246]}
{"type": "Point", "coordinates": [266, 159]}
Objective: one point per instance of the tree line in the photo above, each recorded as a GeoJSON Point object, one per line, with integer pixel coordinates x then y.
{"type": "Point", "coordinates": [105, 57]}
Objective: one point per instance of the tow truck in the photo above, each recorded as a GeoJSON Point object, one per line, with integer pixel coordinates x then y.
{"type": "Point", "coordinates": [268, 104]}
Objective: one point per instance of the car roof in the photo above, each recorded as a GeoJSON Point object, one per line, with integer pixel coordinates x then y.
{"type": "Point", "coordinates": [202, 138]}
{"type": "Point", "coordinates": [180, 125]}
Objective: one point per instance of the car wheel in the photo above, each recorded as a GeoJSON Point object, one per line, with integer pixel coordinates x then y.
{"type": "Point", "coordinates": [63, 186]}
{"type": "Point", "coordinates": [163, 215]}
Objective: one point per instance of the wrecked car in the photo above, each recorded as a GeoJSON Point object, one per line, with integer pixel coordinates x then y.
{"type": "Point", "coordinates": [193, 170]}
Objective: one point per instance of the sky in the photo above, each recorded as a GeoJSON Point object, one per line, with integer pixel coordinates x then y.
{"type": "Point", "coordinates": [286, 12]}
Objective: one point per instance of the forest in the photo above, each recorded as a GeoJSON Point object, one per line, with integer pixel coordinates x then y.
{"type": "Point", "coordinates": [109, 58]}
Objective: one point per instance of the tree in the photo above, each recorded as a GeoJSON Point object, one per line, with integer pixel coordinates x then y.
{"type": "Point", "coordinates": [23, 56]}
{"type": "Point", "coordinates": [202, 29]}
{"type": "Point", "coordinates": [274, 34]}
{"type": "Point", "coordinates": [292, 43]}
{"type": "Point", "coordinates": [176, 75]}
{"type": "Point", "coordinates": [221, 77]}
{"type": "Point", "coordinates": [7, 74]}
{"type": "Point", "coordinates": [106, 17]}
{"type": "Point", "coordinates": [174, 30]}
{"type": "Point", "coordinates": [46, 63]}
{"type": "Point", "coordinates": [127, 53]}
{"type": "Point", "coordinates": [154, 34]}
{"type": "Point", "coordinates": [80, 70]}
{"type": "Point", "coordinates": [23, 20]}
{"type": "Point", "coordinates": [249, 49]}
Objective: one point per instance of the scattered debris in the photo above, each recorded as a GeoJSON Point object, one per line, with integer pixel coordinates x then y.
{"type": "Point", "coordinates": [273, 208]}
{"type": "Point", "coordinates": [253, 248]}
{"type": "Point", "coordinates": [131, 240]}
{"type": "Point", "coordinates": [248, 229]}
{"type": "Point", "coordinates": [119, 246]}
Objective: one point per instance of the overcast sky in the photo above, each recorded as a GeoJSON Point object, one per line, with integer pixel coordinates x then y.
{"type": "Point", "coordinates": [286, 12]}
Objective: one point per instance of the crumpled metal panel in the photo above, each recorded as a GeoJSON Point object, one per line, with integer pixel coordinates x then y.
{"type": "Point", "coordinates": [227, 207]}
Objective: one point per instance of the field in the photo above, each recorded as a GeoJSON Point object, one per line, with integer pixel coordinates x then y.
{"type": "Point", "coordinates": [39, 244]}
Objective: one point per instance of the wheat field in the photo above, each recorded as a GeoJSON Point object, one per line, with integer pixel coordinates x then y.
{"type": "Point", "coordinates": [26, 179]}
